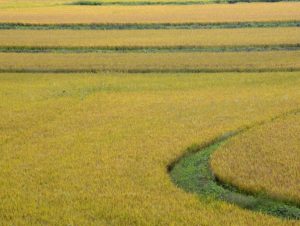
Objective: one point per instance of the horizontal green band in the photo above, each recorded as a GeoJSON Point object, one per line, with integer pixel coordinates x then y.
{"type": "Point", "coordinates": [137, 26]}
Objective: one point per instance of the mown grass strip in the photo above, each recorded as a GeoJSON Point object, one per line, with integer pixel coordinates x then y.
{"type": "Point", "coordinates": [126, 49]}
{"type": "Point", "coordinates": [127, 3]}
{"type": "Point", "coordinates": [148, 71]}
{"type": "Point", "coordinates": [135, 3]}
{"type": "Point", "coordinates": [192, 173]}
{"type": "Point", "coordinates": [142, 26]}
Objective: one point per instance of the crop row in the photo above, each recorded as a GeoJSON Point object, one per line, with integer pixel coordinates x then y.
{"type": "Point", "coordinates": [150, 38]}
{"type": "Point", "coordinates": [93, 149]}
{"type": "Point", "coordinates": [147, 62]}
{"type": "Point", "coordinates": [210, 13]}
{"type": "Point", "coordinates": [36, 3]}
{"type": "Point", "coordinates": [263, 160]}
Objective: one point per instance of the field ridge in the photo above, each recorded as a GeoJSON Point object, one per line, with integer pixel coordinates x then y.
{"type": "Point", "coordinates": [125, 49]}
{"type": "Point", "coordinates": [193, 173]}
{"type": "Point", "coordinates": [146, 26]}
{"type": "Point", "coordinates": [134, 3]}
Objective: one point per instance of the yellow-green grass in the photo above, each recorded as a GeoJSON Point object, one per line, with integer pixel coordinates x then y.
{"type": "Point", "coordinates": [265, 159]}
{"type": "Point", "coordinates": [87, 149]}
{"type": "Point", "coordinates": [39, 3]}
{"type": "Point", "coordinates": [282, 11]}
{"type": "Point", "coordinates": [30, 3]}
{"type": "Point", "coordinates": [104, 38]}
{"type": "Point", "coordinates": [147, 62]}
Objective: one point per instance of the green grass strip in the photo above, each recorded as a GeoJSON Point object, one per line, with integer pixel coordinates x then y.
{"type": "Point", "coordinates": [157, 26]}
{"type": "Point", "coordinates": [126, 3]}
{"type": "Point", "coordinates": [125, 49]}
{"type": "Point", "coordinates": [152, 70]}
{"type": "Point", "coordinates": [135, 3]}
{"type": "Point", "coordinates": [192, 173]}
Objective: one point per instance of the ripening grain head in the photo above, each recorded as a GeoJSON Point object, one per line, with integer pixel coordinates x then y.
{"type": "Point", "coordinates": [146, 38]}
{"type": "Point", "coordinates": [177, 61]}
{"type": "Point", "coordinates": [282, 11]}
{"type": "Point", "coordinates": [93, 149]}
{"type": "Point", "coordinates": [265, 159]}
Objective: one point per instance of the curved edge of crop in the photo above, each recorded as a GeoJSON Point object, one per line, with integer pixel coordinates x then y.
{"type": "Point", "coordinates": [192, 173]}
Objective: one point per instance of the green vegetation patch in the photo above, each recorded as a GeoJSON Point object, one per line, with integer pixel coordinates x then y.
{"type": "Point", "coordinates": [133, 3]}
{"type": "Point", "coordinates": [192, 173]}
{"type": "Point", "coordinates": [141, 26]}
{"type": "Point", "coordinates": [104, 49]}
{"type": "Point", "coordinates": [127, 3]}
{"type": "Point", "coordinates": [152, 70]}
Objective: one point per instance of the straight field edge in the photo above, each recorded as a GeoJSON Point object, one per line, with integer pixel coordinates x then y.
{"type": "Point", "coordinates": [145, 26]}
{"type": "Point", "coordinates": [136, 3]}
{"type": "Point", "coordinates": [125, 49]}
{"type": "Point", "coordinates": [148, 71]}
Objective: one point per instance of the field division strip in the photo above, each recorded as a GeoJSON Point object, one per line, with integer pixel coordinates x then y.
{"type": "Point", "coordinates": [135, 3]}
{"type": "Point", "coordinates": [145, 26]}
{"type": "Point", "coordinates": [104, 49]}
{"type": "Point", "coordinates": [148, 71]}
{"type": "Point", "coordinates": [192, 173]}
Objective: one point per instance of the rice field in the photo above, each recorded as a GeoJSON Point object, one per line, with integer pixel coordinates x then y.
{"type": "Point", "coordinates": [93, 149]}
{"type": "Point", "coordinates": [210, 13]}
{"type": "Point", "coordinates": [270, 164]}
{"type": "Point", "coordinates": [99, 103]}
{"type": "Point", "coordinates": [38, 3]}
{"type": "Point", "coordinates": [150, 38]}
{"type": "Point", "coordinates": [147, 62]}
{"type": "Point", "coordinates": [53, 3]}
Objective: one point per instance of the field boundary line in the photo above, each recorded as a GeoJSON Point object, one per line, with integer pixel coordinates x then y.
{"type": "Point", "coordinates": [137, 3]}
{"type": "Point", "coordinates": [207, 184]}
{"type": "Point", "coordinates": [147, 26]}
{"type": "Point", "coordinates": [147, 71]}
{"type": "Point", "coordinates": [125, 49]}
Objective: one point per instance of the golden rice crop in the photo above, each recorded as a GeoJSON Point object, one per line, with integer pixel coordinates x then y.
{"type": "Point", "coordinates": [282, 11]}
{"type": "Point", "coordinates": [202, 37]}
{"type": "Point", "coordinates": [39, 3]}
{"type": "Point", "coordinates": [265, 159]}
{"type": "Point", "coordinates": [185, 61]}
{"type": "Point", "coordinates": [87, 149]}
{"type": "Point", "coordinates": [4, 4]}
